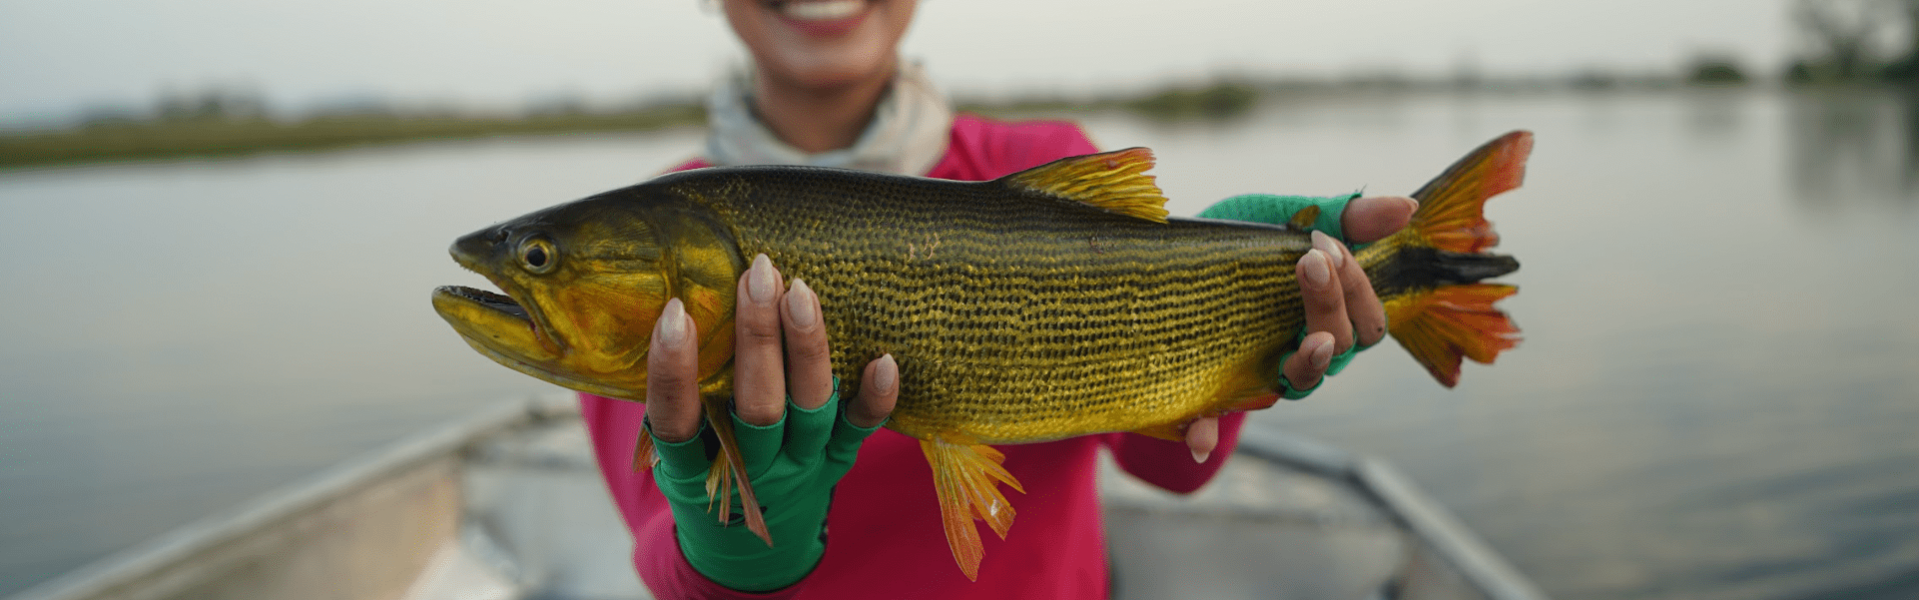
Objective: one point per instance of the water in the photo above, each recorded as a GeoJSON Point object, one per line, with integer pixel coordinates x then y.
{"type": "Point", "coordinates": [1715, 398]}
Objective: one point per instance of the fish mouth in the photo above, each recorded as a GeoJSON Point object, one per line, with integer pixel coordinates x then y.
{"type": "Point", "coordinates": [501, 329]}
{"type": "Point", "coordinates": [496, 322]}
{"type": "Point", "coordinates": [493, 301]}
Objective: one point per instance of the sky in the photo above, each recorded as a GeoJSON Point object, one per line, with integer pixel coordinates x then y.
{"type": "Point", "coordinates": [59, 57]}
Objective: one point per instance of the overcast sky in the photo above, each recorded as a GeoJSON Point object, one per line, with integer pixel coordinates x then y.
{"type": "Point", "coordinates": [59, 55]}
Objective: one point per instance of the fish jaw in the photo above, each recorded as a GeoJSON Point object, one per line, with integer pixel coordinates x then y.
{"type": "Point", "coordinates": [499, 329]}
{"type": "Point", "coordinates": [582, 316]}
{"type": "Point", "coordinates": [533, 325]}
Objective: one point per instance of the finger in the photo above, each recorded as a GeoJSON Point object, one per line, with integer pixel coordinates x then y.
{"type": "Point", "coordinates": [879, 391]}
{"type": "Point", "coordinates": [1304, 369]}
{"type": "Point", "coordinates": [1202, 436]}
{"type": "Point", "coordinates": [759, 373]}
{"type": "Point", "coordinates": [673, 376]}
{"type": "Point", "coordinates": [1362, 304]}
{"type": "Point", "coordinates": [809, 366]}
{"type": "Point", "coordinates": [1321, 291]}
{"type": "Point", "coordinates": [1369, 219]}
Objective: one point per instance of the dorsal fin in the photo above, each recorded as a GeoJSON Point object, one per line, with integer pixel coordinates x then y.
{"type": "Point", "coordinates": [1113, 181]}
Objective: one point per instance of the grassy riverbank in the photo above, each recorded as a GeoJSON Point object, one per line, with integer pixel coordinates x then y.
{"type": "Point", "coordinates": [218, 134]}
{"type": "Point", "coordinates": [218, 131]}
{"type": "Point", "coordinates": [127, 140]}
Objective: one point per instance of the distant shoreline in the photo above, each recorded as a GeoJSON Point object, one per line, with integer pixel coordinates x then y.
{"type": "Point", "coordinates": [215, 136]}
{"type": "Point", "coordinates": [224, 135]}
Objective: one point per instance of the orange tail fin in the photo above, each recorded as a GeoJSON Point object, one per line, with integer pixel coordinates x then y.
{"type": "Point", "coordinates": [1444, 314]}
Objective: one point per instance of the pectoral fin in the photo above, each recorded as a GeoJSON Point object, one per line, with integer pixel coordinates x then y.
{"type": "Point", "coordinates": [965, 477]}
{"type": "Point", "coordinates": [643, 457]}
{"type": "Point", "coordinates": [728, 469]}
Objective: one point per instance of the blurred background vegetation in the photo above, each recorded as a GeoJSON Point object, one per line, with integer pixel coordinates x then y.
{"type": "Point", "coordinates": [1845, 43]}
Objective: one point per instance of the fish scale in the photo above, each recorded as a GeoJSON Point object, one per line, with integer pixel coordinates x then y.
{"type": "Point", "coordinates": [1054, 302]}
{"type": "Point", "coordinates": [991, 344]}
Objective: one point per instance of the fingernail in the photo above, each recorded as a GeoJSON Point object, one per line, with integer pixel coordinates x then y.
{"type": "Point", "coordinates": [886, 374]}
{"type": "Point", "coordinates": [672, 326]}
{"type": "Point", "coordinates": [1326, 243]}
{"type": "Point", "coordinates": [1200, 457]}
{"type": "Point", "coordinates": [1414, 202]}
{"type": "Point", "coordinates": [1314, 268]}
{"type": "Point", "coordinates": [760, 280]}
{"type": "Point", "coordinates": [799, 306]}
{"type": "Point", "coordinates": [1322, 357]}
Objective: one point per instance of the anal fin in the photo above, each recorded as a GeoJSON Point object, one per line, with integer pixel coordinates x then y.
{"type": "Point", "coordinates": [966, 478]}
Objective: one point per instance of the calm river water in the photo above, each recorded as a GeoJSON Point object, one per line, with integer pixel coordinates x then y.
{"type": "Point", "coordinates": [1716, 398]}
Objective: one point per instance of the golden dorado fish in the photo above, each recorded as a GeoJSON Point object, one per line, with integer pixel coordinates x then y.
{"type": "Point", "coordinates": [1055, 302]}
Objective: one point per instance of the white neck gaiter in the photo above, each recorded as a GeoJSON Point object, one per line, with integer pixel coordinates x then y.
{"type": "Point", "coordinates": [908, 135]}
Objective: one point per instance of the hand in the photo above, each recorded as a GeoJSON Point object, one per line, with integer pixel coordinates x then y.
{"type": "Point", "coordinates": [764, 316]}
{"type": "Point", "coordinates": [1341, 308]}
{"type": "Point", "coordinates": [792, 460]}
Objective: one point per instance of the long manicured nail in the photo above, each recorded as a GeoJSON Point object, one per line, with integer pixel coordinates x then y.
{"type": "Point", "coordinates": [761, 282]}
{"type": "Point", "coordinates": [1200, 457]}
{"type": "Point", "coordinates": [799, 306]}
{"type": "Point", "coordinates": [672, 326]}
{"type": "Point", "coordinates": [1322, 357]}
{"type": "Point", "coordinates": [886, 374]}
{"type": "Point", "coordinates": [1315, 268]}
{"type": "Point", "coordinates": [1326, 243]}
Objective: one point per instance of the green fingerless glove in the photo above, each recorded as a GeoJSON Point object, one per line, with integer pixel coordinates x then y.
{"type": "Point", "coordinates": [1279, 210]}
{"type": "Point", "coordinates": [793, 466]}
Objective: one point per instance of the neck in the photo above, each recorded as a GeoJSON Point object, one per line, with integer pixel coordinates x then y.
{"type": "Point", "coordinates": [816, 120]}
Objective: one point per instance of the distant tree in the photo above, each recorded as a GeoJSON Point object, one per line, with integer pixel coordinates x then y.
{"type": "Point", "coordinates": [1905, 66]}
{"type": "Point", "coordinates": [1840, 30]}
{"type": "Point", "coordinates": [1850, 39]}
{"type": "Point", "coordinates": [214, 103]}
{"type": "Point", "coordinates": [1715, 70]}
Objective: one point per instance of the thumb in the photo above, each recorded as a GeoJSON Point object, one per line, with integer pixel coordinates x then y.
{"type": "Point", "coordinates": [879, 391]}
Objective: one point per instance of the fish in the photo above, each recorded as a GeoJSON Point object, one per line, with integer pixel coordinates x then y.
{"type": "Point", "coordinates": [1055, 302]}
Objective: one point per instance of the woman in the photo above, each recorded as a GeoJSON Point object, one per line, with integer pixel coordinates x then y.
{"type": "Point", "coordinates": [827, 88]}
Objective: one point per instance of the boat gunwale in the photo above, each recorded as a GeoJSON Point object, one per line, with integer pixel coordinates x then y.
{"type": "Point", "coordinates": [1426, 519]}
{"type": "Point", "coordinates": [155, 556]}
{"type": "Point", "coordinates": [1430, 523]}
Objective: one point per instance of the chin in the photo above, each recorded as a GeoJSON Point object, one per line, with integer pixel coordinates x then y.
{"type": "Point", "coordinates": [830, 71]}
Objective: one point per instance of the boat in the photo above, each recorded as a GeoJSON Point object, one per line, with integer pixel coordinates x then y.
{"type": "Point", "coordinates": [507, 504]}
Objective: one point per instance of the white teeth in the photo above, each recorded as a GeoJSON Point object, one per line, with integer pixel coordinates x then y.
{"type": "Point", "coordinates": [831, 10]}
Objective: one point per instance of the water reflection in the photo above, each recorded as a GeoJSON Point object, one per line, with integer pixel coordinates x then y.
{"type": "Point", "coordinates": [1717, 115]}
{"type": "Point", "coordinates": [1854, 149]}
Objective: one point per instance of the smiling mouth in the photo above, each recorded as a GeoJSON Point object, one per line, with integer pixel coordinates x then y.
{"type": "Point", "coordinates": [819, 11]}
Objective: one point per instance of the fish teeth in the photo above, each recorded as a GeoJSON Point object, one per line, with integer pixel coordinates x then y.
{"type": "Point", "coordinates": [830, 10]}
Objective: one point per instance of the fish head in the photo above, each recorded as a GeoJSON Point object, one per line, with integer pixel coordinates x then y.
{"type": "Point", "coordinates": [582, 284]}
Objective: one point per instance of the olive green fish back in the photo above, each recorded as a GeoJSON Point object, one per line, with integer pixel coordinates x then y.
{"type": "Point", "coordinates": [1017, 316]}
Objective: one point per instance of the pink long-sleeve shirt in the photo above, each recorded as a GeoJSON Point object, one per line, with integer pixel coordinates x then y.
{"type": "Point", "coordinates": [885, 539]}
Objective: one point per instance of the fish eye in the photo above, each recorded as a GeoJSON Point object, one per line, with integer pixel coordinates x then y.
{"type": "Point", "coordinates": [537, 255]}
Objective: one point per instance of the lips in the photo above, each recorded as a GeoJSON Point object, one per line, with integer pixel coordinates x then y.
{"type": "Point", "coordinates": [821, 17]}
